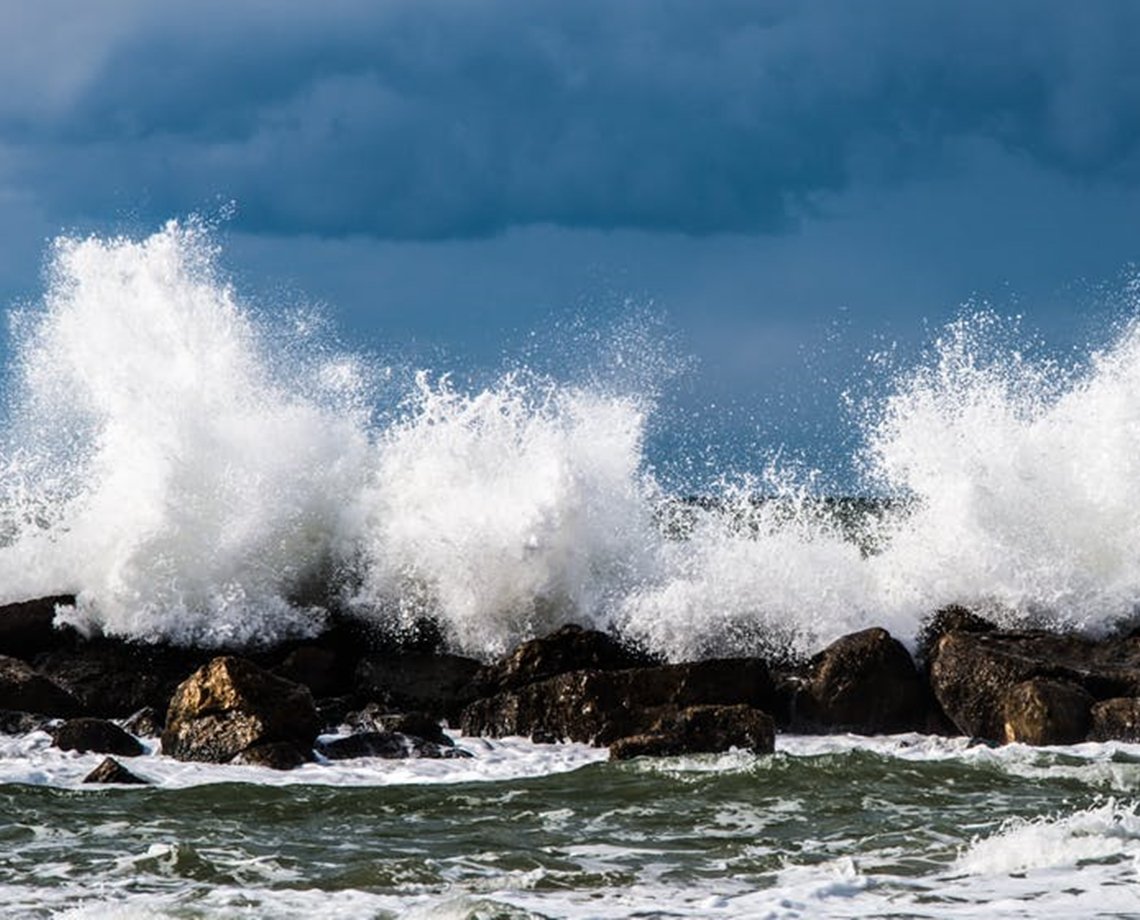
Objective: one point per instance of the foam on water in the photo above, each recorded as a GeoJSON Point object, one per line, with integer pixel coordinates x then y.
{"type": "Point", "coordinates": [191, 469]}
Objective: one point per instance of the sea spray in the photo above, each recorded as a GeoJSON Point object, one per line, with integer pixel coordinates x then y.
{"type": "Point", "coordinates": [158, 463]}
{"type": "Point", "coordinates": [190, 466]}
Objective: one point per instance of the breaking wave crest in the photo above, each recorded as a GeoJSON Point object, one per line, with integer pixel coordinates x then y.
{"type": "Point", "coordinates": [192, 468]}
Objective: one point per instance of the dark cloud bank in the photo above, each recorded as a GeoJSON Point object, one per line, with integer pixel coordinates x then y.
{"type": "Point", "coordinates": [425, 120]}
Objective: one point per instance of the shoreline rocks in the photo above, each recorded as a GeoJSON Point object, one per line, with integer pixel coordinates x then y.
{"type": "Point", "coordinates": [266, 707]}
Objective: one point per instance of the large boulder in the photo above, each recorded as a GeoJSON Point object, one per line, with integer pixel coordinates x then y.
{"type": "Point", "coordinates": [570, 648]}
{"type": "Point", "coordinates": [701, 730]}
{"type": "Point", "coordinates": [98, 735]}
{"type": "Point", "coordinates": [28, 628]}
{"type": "Point", "coordinates": [864, 682]}
{"type": "Point", "coordinates": [22, 687]}
{"type": "Point", "coordinates": [441, 685]}
{"type": "Point", "coordinates": [231, 705]}
{"type": "Point", "coordinates": [1046, 711]}
{"type": "Point", "coordinates": [598, 707]}
{"type": "Point", "coordinates": [971, 673]}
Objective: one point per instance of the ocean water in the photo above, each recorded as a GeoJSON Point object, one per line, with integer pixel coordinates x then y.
{"type": "Point", "coordinates": [201, 469]}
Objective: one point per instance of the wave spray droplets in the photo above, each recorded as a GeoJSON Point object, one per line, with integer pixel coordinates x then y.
{"type": "Point", "coordinates": [190, 471]}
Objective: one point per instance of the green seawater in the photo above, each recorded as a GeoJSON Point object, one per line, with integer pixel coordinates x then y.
{"type": "Point", "coordinates": [883, 831]}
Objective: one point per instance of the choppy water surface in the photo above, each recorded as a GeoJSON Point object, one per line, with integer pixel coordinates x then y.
{"type": "Point", "coordinates": [837, 826]}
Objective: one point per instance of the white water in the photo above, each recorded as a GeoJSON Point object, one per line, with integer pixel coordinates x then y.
{"type": "Point", "coordinates": [188, 467]}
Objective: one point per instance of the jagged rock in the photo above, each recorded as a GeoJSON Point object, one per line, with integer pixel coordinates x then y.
{"type": "Point", "coordinates": [438, 684]}
{"type": "Point", "coordinates": [571, 648]}
{"type": "Point", "coordinates": [864, 682]}
{"type": "Point", "coordinates": [111, 771]}
{"type": "Point", "coordinates": [1116, 719]}
{"type": "Point", "coordinates": [598, 707]}
{"type": "Point", "coordinates": [390, 745]}
{"type": "Point", "coordinates": [114, 679]}
{"type": "Point", "coordinates": [970, 672]}
{"type": "Point", "coordinates": [146, 723]}
{"type": "Point", "coordinates": [1044, 711]}
{"type": "Point", "coordinates": [702, 730]}
{"type": "Point", "coordinates": [23, 687]}
{"type": "Point", "coordinates": [230, 705]}
{"type": "Point", "coordinates": [96, 735]}
{"type": "Point", "coordinates": [277, 755]}
{"type": "Point", "coordinates": [372, 718]}
{"type": "Point", "coordinates": [26, 628]}
{"type": "Point", "coordinates": [15, 722]}
{"type": "Point", "coordinates": [954, 618]}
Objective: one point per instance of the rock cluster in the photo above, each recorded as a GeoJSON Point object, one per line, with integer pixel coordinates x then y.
{"type": "Point", "coordinates": [270, 707]}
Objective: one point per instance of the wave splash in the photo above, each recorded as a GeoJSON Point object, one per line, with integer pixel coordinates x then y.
{"type": "Point", "coordinates": [190, 468]}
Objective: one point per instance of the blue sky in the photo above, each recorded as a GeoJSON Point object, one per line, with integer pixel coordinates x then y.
{"type": "Point", "coordinates": [791, 184]}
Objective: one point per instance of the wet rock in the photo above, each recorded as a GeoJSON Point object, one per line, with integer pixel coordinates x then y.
{"type": "Point", "coordinates": [114, 679]}
{"type": "Point", "coordinates": [15, 722]}
{"type": "Point", "coordinates": [864, 682]}
{"type": "Point", "coordinates": [571, 648]}
{"type": "Point", "coordinates": [277, 755]}
{"type": "Point", "coordinates": [701, 730]}
{"type": "Point", "coordinates": [390, 745]}
{"type": "Point", "coordinates": [437, 684]}
{"type": "Point", "coordinates": [111, 771]}
{"type": "Point", "coordinates": [1045, 711]}
{"type": "Point", "coordinates": [373, 718]}
{"type": "Point", "coordinates": [1117, 719]}
{"type": "Point", "coordinates": [26, 628]}
{"type": "Point", "coordinates": [953, 618]}
{"type": "Point", "coordinates": [146, 723]}
{"type": "Point", "coordinates": [231, 705]}
{"type": "Point", "coordinates": [598, 707]}
{"type": "Point", "coordinates": [23, 687]}
{"type": "Point", "coordinates": [971, 672]}
{"type": "Point", "coordinates": [98, 735]}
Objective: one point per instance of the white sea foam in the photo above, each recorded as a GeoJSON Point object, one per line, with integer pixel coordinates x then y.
{"type": "Point", "coordinates": [189, 467]}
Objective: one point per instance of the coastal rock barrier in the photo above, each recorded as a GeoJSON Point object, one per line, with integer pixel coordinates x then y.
{"type": "Point", "coordinates": [280, 707]}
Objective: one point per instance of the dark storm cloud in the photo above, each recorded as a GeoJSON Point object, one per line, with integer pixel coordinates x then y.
{"type": "Point", "coordinates": [422, 119]}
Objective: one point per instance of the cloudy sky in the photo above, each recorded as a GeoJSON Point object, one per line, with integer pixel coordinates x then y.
{"type": "Point", "coordinates": [791, 185]}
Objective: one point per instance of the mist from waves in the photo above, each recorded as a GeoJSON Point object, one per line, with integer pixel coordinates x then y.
{"type": "Point", "coordinates": [191, 467]}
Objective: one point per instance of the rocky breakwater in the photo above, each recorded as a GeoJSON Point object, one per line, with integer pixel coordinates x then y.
{"type": "Point", "coordinates": [353, 692]}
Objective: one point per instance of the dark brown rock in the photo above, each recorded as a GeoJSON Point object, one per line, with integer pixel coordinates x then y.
{"type": "Point", "coordinates": [373, 718]}
{"type": "Point", "coordinates": [1116, 719]}
{"type": "Point", "coordinates": [702, 730]}
{"type": "Point", "coordinates": [27, 628]}
{"type": "Point", "coordinates": [98, 735]}
{"type": "Point", "coordinates": [437, 684]}
{"type": "Point", "coordinates": [864, 682]}
{"type": "Point", "coordinates": [598, 707]}
{"type": "Point", "coordinates": [571, 648]}
{"type": "Point", "coordinates": [146, 723]}
{"type": "Point", "coordinates": [389, 745]}
{"type": "Point", "coordinates": [23, 687]}
{"type": "Point", "coordinates": [231, 705]}
{"type": "Point", "coordinates": [15, 722]}
{"type": "Point", "coordinates": [277, 755]}
{"type": "Point", "coordinates": [111, 771]}
{"type": "Point", "coordinates": [1046, 711]}
{"type": "Point", "coordinates": [953, 618]}
{"type": "Point", "coordinates": [970, 672]}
